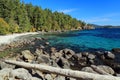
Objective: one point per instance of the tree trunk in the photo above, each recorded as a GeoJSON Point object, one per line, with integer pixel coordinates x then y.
{"type": "Point", "coordinates": [64, 72]}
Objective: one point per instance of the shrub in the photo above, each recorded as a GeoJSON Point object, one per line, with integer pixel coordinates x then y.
{"type": "Point", "coordinates": [4, 27]}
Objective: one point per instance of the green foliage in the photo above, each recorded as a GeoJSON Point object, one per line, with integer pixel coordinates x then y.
{"type": "Point", "coordinates": [13, 26]}
{"type": "Point", "coordinates": [4, 27]}
{"type": "Point", "coordinates": [23, 17]}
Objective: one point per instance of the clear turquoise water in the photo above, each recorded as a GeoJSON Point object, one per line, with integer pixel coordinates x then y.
{"type": "Point", "coordinates": [86, 40]}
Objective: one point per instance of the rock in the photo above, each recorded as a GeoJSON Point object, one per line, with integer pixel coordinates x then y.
{"type": "Point", "coordinates": [48, 77]}
{"type": "Point", "coordinates": [68, 53]}
{"type": "Point", "coordinates": [102, 56]}
{"type": "Point", "coordinates": [38, 38]}
{"type": "Point", "coordinates": [107, 69]}
{"type": "Point", "coordinates": [73, 60]}
{"type": "Point", "coordinates": [1, 78]}
{"type": "Point", "coordinates": [60, 78]}
{"type": "Point", "coordinates": [47, 43]}
{"type": "Point", "coordinates": [98, 52]}
{"type": "Point", "coordinates": [53, 63]}
{"type": "Point", "coordinates": [118, 75]}
{"type": "Point", "coordinates": [77, 63]}
{"type": "Point", "coordinates": [63, 63]}
{"type": "Point", "coordinates": [109, 55]}
{"type": "Point", "coordinates": [88, 69]}
{"type": "Point", "coordinates": [102, 69]}
{"type": "Point", "coordinates": [38, 73]}
{"type": "Point", "coordinates": [91, 61]}
{"type": "Point", "coordinates": [85, 54]}
{"type": "Point", "coordinates": [43, 59]}
{"type": "Point", "coordinates": [21, 73]}
{"type": "Point", "coordinates": [68, 78]}
{"type": "Point", "coordinates": [35, 78]}
{"type": "Point", "coordinates": [91, 56]}
{"type": "Point", "coordinates": [32, 43]}
{"type": "Point", "coordinates": [99, 69]}
{"type": "Point", "coordinates": [116, 50]}
{"type": "Point", "coordinates": [5, 73]}
{"type": "Point", "coordinates": [39, 52]}
{"type": "Point", "coordinates": [72, 79]}
{"type": "Point", "coordinates": [53, 76]}
{"type": "Point", "coordinates": [42, 47]}
{"type": "Point", "coordinates": [79, 55]}
{"type": "Point", "coordinates": [82, 61]}
{"type": "Point", "coordinates": [60, 62]}
{"type": "Point", "coordinates": [27, 55]}
{"type": "Point", "coordinates": [5, 65]}
{"type": "Point", "coordinates": [53, 57]}
{"type": "Point", "coordinates": [53, 50]}
{"type": "Point", "coordinates": [57, 55]}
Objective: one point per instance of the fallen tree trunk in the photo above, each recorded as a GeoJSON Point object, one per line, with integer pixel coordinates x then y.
{"type": "Point", "coordinates": [64, 72]}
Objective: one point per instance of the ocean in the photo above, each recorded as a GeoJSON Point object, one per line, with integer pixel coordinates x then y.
{"type": "Point", "coordinates": [103, 39]}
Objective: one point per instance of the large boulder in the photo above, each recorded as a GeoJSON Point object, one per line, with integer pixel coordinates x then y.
{"type": "Point", "coordinates": [43, 59]}
{"type": "Point", "coordinates": [77, 63]}
{"type": "Point", "coordinates": [60, 78]}
{"type": "Point", "coordinates": [109, 55]}
{"type": "Point", "coordinates": [27, 55]}
{"type": "Point", "coordinates": [63, 63]}
{"type": "Point", "coordinates": [48, 77]}
{"type": "Point", "coordinates": [5, 65]}
{"type": "Point", "coordinates": [68, 53]}
{"type": "Point", "coordinates": [85, 54]}
{"type": "Point", "coordinates": [35, 78]}
{"type": "Point", "coordinates": [38, 52]}
{"type": "Point", "coordinates": [116, 50]}
{"type": "Point", "coordinates": [5, 73]}
{"type": "Point", "coordinates": [37, 73]}
{"type": "Point", "coordinates": [101, 69]}
{"type": "Point", "coordinates": [53, 50]}
{"type": "Point", "coordinates": [53, 63]}
{"type": "Point", "coordinates": [88, 69]}
{"type": "Point", "coordinates": [91, 56]}
{"type": "Point", "coordinates": [107, 69]}
{"type": "Point", "coordinates": [56, 54]}
{"type": "Point", "coordinates": [21, 73]}
{"type": "Point", "coordinates": [79, 55]}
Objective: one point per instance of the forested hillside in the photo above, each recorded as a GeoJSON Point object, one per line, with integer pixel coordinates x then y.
{"type": "Point", "coordinates": [17, 17]}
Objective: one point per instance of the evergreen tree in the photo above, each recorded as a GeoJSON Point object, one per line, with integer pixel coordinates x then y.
{"type": "Point", "coordinates": [21, 17]}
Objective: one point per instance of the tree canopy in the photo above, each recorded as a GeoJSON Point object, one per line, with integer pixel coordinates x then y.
{"type": "Point", "coordinates": [21, 17]}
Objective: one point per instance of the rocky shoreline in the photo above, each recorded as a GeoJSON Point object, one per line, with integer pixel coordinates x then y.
{"type": "Point", "coordinates": [38, 51]}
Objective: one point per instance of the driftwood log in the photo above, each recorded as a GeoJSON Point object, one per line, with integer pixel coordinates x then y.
{"type": "Point", "coordinates": [64, 72]}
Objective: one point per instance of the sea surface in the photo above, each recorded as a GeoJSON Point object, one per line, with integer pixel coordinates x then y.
{"type": "Point", "coordinates": [86, 40]}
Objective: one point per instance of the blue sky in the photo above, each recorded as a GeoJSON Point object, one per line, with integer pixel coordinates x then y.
{"type": "Point", "coordinates": [101, 12]}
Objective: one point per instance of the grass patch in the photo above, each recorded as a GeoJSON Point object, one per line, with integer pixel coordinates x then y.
{"type": "Point", "coordinates": [14, 51]}
{"type": "Point", "coordinates": [7, 52]}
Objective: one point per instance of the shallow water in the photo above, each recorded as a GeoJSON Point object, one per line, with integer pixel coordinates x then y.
{"type": "Point", "coordinates": [86, 40]}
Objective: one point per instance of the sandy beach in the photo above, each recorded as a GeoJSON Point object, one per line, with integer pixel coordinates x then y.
{"type": "Point", "coordinates": [6, 39]}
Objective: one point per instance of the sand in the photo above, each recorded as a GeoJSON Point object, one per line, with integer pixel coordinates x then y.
{"type": "Point", "coordinates": [6, 39]}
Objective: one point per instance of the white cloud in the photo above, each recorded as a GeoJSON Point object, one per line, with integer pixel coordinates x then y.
{"type": "Point", "coordinates": [104, 18]}
{"type": "Point", "coordinates": [98, 20]}
{"type": "Point", "coordinates": [66, 10]}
